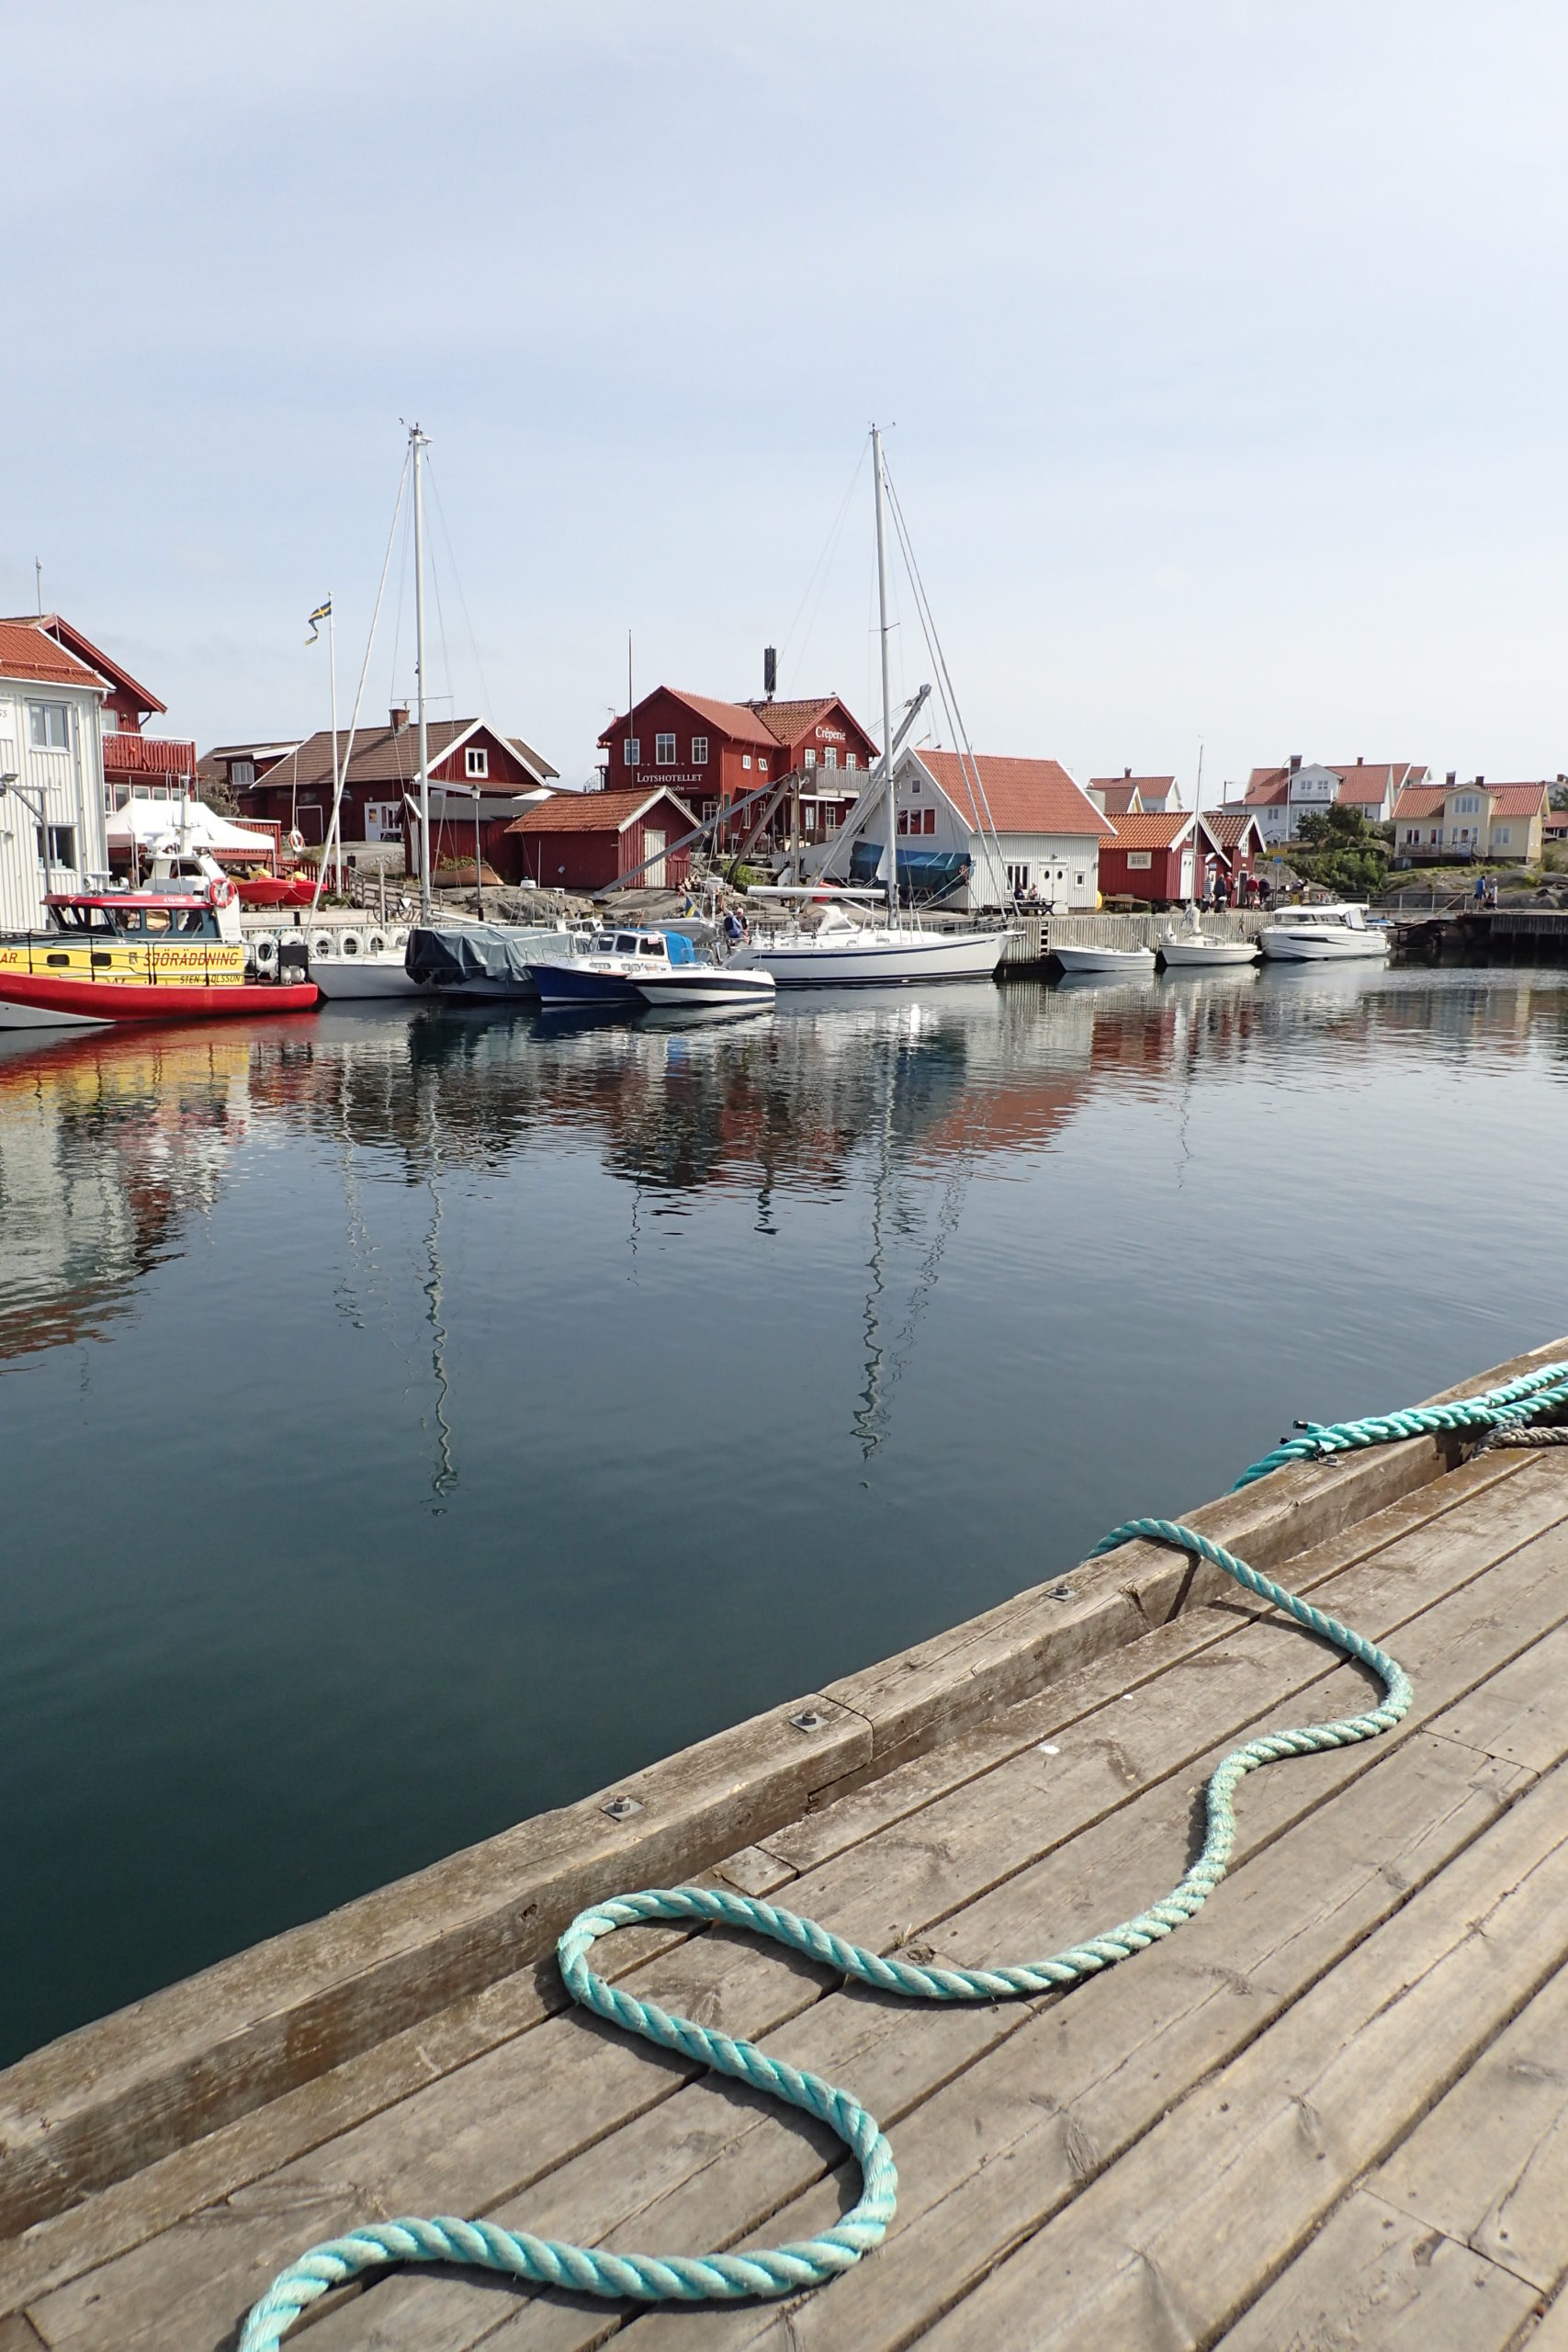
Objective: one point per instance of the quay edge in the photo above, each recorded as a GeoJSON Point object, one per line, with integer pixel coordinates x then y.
{"type": "Point", "coordinates": [120, 2095]}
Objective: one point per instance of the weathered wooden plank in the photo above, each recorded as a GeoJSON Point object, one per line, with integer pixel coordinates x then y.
{"type": "Point", "coordinates": [411, 2162]}
{"type": "Point", "coordinates": [1265, 2149]}
{"type": "Point", "coordinates": [1015, 2168]}
{"type": "Point", "coordinates": [716, 2204]}
{"type": "Point", "coordinates": [18, 2335]}
{"type": "Point", "coordinates": [1375, 2281]}
{"type": "Point", "coordinates": [1489, 2165]}
{"type": "Point", "coordinates": [836, 1822]}
{"type": "Point", "coordinates": [100, 2103]}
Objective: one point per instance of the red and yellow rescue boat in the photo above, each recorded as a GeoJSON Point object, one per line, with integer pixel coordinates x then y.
{"type": "Point", "coordinates": [172, 951]}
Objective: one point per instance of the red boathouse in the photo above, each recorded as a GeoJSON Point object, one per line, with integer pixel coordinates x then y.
{"type": "Point", "coordinates": [586, 840]}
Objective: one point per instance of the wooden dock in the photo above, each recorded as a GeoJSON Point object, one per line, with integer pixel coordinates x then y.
{"type": "Point", "coordinates": [1331, 2111]}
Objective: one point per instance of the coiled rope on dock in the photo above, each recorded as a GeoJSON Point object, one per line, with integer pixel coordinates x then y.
{"type": "Point", "coordinates": [811, 2262]}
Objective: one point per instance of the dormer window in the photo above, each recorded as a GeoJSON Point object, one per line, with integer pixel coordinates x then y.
{"type": "Point", "coordinates": [243, 775]}
{"type": "Point", "coordinates": [476, 760]}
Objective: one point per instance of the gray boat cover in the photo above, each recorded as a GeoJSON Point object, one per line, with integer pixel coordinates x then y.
{"type": "Point", "coordinates": [494, 953]}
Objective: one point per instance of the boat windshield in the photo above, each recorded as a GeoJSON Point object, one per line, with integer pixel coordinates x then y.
{"type": "Point", "coordinates": [652, 946]}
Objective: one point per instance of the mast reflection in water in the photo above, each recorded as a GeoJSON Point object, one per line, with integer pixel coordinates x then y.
{"type": "Point", "coordinates": [358, 1474]}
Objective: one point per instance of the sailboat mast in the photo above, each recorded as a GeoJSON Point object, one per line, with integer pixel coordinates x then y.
{"type": "Point", "coordinates": [886, 681]}
{"type": "Point", "coordinates": [417, 442]}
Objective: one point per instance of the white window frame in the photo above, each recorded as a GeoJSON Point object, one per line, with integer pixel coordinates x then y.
{"type": "Point", "coordinates": [664, 749]}
{"type": "Point", "coordinates": [476, 760]}
{"type": "Point", "coordinates": [632, 747]}
{"type": "Point", "coordinates": [1140, 861]}
{"type": "Point", "coordinates": [38, 717]}
{"type": "Point", "coordinates": [243, 773]}
{"type": "Point", "coordinates": [745, 759]}
{"type": "Point", "coordinates": [699, 750]}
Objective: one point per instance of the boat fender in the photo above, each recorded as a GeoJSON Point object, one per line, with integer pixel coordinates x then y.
{"type": "Point", "coordinates": [350, 943]}
{"type": "Point", "coordinates": [264, 947]}
{"type": "Point", "coordinates": [322, 946]}
{"type": "Point", "coordinates": [375, 944]}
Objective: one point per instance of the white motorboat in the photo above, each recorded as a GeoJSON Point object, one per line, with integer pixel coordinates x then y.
{"type": "Point", "coordinates": [842, 953]}
{"type": "Point", "coordinates": [1185, 950]}
{"type": "Point", "coordinates": [1127, 960]}
{"type": "Point", "coordinates": [706, 987]}
{"type": "Point", "coordinates": [1324, 935]}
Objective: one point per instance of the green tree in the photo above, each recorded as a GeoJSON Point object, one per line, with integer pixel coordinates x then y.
{"type": "Point", "coordinates": [1337, 848]}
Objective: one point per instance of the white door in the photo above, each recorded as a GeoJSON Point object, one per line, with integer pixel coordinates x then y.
{"type": "Point", "coordinates": [653, 850]}
{"type": "Point", "coordinates": [1187, 874]}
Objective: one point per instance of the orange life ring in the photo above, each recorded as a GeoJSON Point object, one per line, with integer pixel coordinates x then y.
{"type": "Point", "coordinates": [221, 892]}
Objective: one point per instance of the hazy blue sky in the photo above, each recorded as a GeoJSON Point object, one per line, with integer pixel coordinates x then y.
{"type": "Point", "coordinates": [1221, 345]}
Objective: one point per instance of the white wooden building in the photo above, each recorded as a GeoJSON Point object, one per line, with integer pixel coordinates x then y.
{"type": "Point", "coordinates": [1046, 830]}
{"type": "Point", "coordinates": [51, 764]}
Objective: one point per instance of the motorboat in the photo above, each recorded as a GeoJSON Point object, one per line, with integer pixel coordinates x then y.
{"type": "Point", "coordinates": [1129, 961]}
{"type": "Point", "coordinates": [644, 967]}
{"type": "Point", "coordinates": [172, 950]}
{"type": "Point", "coordinates": [840, 952]}
{"type": "Point", "coordinates": [351, 965]}
{"type": "Point", "coordinates": [1195, 949]}
{"type": "Point", "coordinates": [1331, 933]}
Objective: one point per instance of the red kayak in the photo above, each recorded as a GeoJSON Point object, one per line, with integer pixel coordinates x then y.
{"type": "Point", "coordinates": [276, 891]}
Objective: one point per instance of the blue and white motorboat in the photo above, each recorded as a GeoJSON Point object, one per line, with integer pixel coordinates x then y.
{"type": "Point", "coordinates": [647, 967]}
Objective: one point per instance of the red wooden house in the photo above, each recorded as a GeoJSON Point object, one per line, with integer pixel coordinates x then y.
{"type": "Point", "coordinates": [586, 840]}
{"type": "Point", "coordinates": [1233, 849]}
{"type": "Point", "coordinates": [1151, 858]}
{"type": "Point", "coordinates": [714, 753]}
{"type": "Point", "coordinates": [467, 758]}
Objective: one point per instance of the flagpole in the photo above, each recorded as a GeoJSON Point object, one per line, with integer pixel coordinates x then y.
{"type": "Point", "coordinates": [417, 442]}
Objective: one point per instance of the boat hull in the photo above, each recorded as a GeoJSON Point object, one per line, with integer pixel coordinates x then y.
{"type": "Point", "coordinates": [1206, 954]}
{"type": "Point", "coordinates": [30, 1000]}
{"type": "Point", "coordinates": [361, 980]}
{"type": "Point", "coordinates": [1302, 946]}
{"type": "Point", "coordinates": [573, 984]}
{"type": "Point", "coordinates": [708, 985]}
{"type": "Point", "coordinates": [1105, 959]}
{"type": "Point", "coordinates": [874, 961]}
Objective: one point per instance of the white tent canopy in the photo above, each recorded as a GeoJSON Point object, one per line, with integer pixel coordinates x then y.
{"type": "Point", "coordinates": [142, 823]}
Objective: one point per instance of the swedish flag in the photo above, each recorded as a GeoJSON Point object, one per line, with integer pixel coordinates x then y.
{"type": "Point", "coordinates": [321, 613]}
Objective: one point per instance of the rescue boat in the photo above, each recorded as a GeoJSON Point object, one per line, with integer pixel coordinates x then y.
{"type": "Point", "coordinates": [170, 951]}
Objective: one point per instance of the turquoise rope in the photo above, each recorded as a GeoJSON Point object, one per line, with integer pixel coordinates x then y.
{"type": "Point", "coordinates": [781, 2270]}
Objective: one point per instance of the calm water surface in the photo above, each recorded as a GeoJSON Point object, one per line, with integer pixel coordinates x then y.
{"type": "Point", "coordinates": [411, 1422]}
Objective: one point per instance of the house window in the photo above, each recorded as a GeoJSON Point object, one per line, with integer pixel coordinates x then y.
{"type": "Point", "coordinates": [811, 759]}
{"type": "Point", "coordinates": [903, 820]}
{"type": "Point", "coordinates": [1140, 860]}
{"type": "Point", "coordinates": [699, 750]}
{"type": "Point", "coordinates": [930, 821]}
{"type": "Point", "coordinates": [762, 767]}
{"type": "Point", "coordinates": [664, 751]}
{"type": "Point", "coordinates": [831, 756]}
{"type": "Point", "coordinates": [476, 760]}
{"type": "Point", "coordinates": [243, 773]}
{"type": "Point", "coordinates": [1078, 879]}
{"type": "Point", "coordinates": [1018, 878]}
{"type": "Point", "coordinates": [850, 761]}
{"type": "Point", "coordinates": [1413, 833]}
{"type": "Point", "coordinates": [1503, 835]}
{"type": "Point", "coordinates": [634, 752]}
{"type": "Point", "coordinates": [49, 724]}
{"type": "Point", "coordinates": [60, 849]}
{"type": "Point", "coordinates": [709, 811]}
{"type": "Point", "coordinates": [745, 759]}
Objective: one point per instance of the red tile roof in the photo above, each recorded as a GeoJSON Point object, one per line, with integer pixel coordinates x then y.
{"type": "Point", "coordinates": [594, 812]}
{"type": "Point", "coordinates": [1022, 796]}
{"type": "Point", "coordinates": [27, 653]}
{"type": "Point", "coordinates": [1419, 800]}
{"type": "Point", "coordinates": [785, 720]}
{"type": "Point", "coordinates": [1228, 826]}
{"type": "Point", "coordinates": [82, 646]}
{"type": "Point", "coordinates": [1153, 829]}
{"type": "Point", "coordinates": [1515, 799]}
{"type": "Point", "coordinates": [1157, 783]}
{"type": "Point", "coordinates": [1119, 797]}
{"type": "Point", "coordinates": [1267, 788]}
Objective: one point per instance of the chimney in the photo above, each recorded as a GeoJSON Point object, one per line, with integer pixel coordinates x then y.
{"type": "Point", "coordinates": [1295, 761]}
{"type": "Point", "coordinates": [770, 671]}
{"type": "Point", "coordinates": [398, 715]}
{"type": "Point", "coordinates": [1360, 760]}
{"type": "Point", "coordinates": [1126, 776]}
{"type": "Point", "coordinates": [1481, 779]}
{"type": "Point", "coordinates": [1451, 779]}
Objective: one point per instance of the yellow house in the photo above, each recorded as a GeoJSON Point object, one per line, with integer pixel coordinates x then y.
{"type": "Point", "coordinates": [1472, 821]}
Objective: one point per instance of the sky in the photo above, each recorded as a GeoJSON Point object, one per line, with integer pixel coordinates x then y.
{"type": "Point", "coordinates": [1219, 350]}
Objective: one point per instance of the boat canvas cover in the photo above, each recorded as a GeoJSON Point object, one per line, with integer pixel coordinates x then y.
{"type": "Point", "coordinates": [473, 951]}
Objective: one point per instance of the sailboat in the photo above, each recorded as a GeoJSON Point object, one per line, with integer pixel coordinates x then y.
{"type": "Point", "coordinates": [844, 949]}
{"type": "Point", "coordinates": [1194, 948]}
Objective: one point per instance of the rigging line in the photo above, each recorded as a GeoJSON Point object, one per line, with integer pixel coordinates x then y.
{"type": "Point", "coordinates": [334, 831]}
{"type": "Point", "coordinates": [950, 694]}
{"type": "Point", "coordinates": [824, 566]}
{"type": "Point", "coordinates": [462, 599]}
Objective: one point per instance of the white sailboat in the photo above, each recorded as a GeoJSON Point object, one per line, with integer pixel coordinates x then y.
{"type": "Point", "coordinates": [841, 951]}
{"type": "Point", "coordinates": [1195, 949]}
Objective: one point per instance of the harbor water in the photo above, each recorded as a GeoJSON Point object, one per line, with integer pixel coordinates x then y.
{"type": "Point", "coordinates": [414, 1419]}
